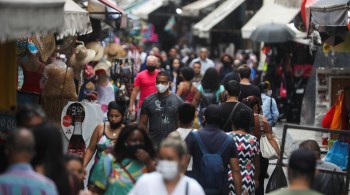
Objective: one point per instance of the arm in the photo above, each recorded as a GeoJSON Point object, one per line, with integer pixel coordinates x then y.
{"type": "Point", "coordinates": [134, 93]}
{"type": "Point", "coordinates": [92, 145]}
{"type": "Point", "coordinates": [236, 174]}
{"type": "Point", "coordinates": [144, 122]}
{"type": "Point", "coordinates": [197, 98]}
{"type": "Point", "coordinates": [186, 160]}
{"type": "Point", "coordinates": [273, 143]}
{"type": "Point", "coordinates": [257, 169]}
{"type": "Point", "coordinates": [180, 89]}
{"type": "Point", "coordinates": [275, 113]}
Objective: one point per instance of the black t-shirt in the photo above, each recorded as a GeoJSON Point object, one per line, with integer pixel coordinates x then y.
{"type": "Point", "coordinates": [212, 138]}
{"type": "Point", "coordinates": [227, 108]}
{"type": "Point", "coordinates": [233, 75]}
{"type": "Point", "coordinates": [249, 90]}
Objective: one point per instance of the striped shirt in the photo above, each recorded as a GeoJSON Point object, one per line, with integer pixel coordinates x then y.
{"type": "Point", "coordinates": [21, 179]}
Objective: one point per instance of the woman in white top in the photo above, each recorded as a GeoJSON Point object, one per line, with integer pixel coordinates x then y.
{"type": "Point", "coordinates": [168, 179]}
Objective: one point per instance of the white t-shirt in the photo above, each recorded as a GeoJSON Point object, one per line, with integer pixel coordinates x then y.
{"type": "Point", "coordinates": [183, 134]}
{"type": "Point", "coordinates": [153, 184]}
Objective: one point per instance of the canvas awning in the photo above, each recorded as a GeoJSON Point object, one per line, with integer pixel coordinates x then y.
{"type": "Point", "coordinates": [330, 13]}
{"type": "Point", "coordinates": [269, 13]}
{"type": "Point", "coordinates": [23, 18]}
{"type": "Point", "coordinates": [97, 9]}
{"type": "Point", "coordinates": [76, 20]}
{"type": "Point", "coordinates": [194, 8]}
{"type": "Point", "coordinates": [203, 27]}
{"type": "Point", "coordinates": [147, 8]}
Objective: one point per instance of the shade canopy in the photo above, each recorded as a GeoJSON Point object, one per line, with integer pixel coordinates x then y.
{"type": "Point", "coordinates": [330, 13]}
{"type": "Point", "coordinates": [289, 3]}
{"type": "Point", "coordinates": [23, 18]}
{"type": "Point", "coordinates": [269, 13]}
{"type": "Point", "coordinates": [193, 9]}
{"type": "Point", "coordinates": [203, 27]}
{"type": "Point", "coordinates": [76, 20]}
{"type": "Point", "coordinates": [148, 7]}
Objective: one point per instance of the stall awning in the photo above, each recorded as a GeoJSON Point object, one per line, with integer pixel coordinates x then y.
{"type": "Point", "coordinates": [269, 13]}
{"type": "Point", "coordinates": [147, 8]}
{"type": "Point", "coordinates": [203, 27]}
{"type": "Point", "coordinates": [22, 18]}
{"type": "Point", "coordinates": [76, 20]}
{"type": "Point", "coordinates": [194, 8]}
{"type": "Point", "coordinates": [97, 9]}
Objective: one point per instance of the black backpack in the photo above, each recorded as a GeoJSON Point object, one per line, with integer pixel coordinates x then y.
{"type": "Point", "coordinates": [208, 97]}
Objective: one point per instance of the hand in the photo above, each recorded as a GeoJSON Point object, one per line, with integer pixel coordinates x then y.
{"type": "Point", "coordinates": [84, 173]}
{"type": "Point", "coordinates": [143, 156]}
{"type": "Point", "coordinates": [131, 109]}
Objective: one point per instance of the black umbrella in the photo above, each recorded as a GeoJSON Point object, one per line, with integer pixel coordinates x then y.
{"type": "Point", "coordinates": [272, 33]}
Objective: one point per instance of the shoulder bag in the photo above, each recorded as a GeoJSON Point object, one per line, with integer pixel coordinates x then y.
{"type": "Point", "coordinates": [267, 151]}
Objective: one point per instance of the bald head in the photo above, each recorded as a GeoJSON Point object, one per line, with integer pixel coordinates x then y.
{"type": "Point", "coordinates": [20, 142]}
{"type": "Point", "coordinates": [203, 53]}
{"type": "Point", "coordinates": [152, 63]}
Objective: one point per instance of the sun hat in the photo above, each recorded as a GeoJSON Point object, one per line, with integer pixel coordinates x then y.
{"type": "Point", "coordinates": [46, 45]}
{"type": "Point", "coordinates": [113, 50]}
{"type": "Point", "coordinates": [103, 65]}
{"type": "Point", "coordinates": [97, 47]}
{"type": "Point", "coordinates": [82, 56]}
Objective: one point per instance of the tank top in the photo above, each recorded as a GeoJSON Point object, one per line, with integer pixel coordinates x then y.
{"type": "Point", "coordinates": [104, 145]}
{"type": "Point", "coordinates": [31, 81]}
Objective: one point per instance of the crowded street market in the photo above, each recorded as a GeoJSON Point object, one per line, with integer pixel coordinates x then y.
{"type": "Point", "coordinates": [174, 97]}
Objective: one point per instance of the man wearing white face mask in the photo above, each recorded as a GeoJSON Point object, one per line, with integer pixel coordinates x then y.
{"type": "Point", "coordinates": [159, 110]}
{"type": "Point", "coordinates": [168, 178]}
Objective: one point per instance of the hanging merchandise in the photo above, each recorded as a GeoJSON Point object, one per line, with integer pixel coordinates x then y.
{"type": "Point", "coordinates": [59, 81]}
{"type": "Point", "coordinates": [335, 117]}
{"type": "Point", "coordinates": [338, 121]}
{"type": "Point", "coordinates": [97, 47]}
{"type": "Point", "coordinates": [78, 121]}
{"type": "Point", "coordinates": [46, 45]}
{"type": "Point", "coordinates": [338, 154]}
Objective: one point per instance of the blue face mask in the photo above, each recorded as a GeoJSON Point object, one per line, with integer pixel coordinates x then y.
{"type": "Point", "coordinates": [32, 48]}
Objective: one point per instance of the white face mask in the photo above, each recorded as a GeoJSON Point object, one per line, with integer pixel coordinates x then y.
{"type": "Point", "coordinates": [269, 92]}
{"type": "Point", "coordinates": [168, 169]}
{"type": "Point", "coordinates": [162, 88]}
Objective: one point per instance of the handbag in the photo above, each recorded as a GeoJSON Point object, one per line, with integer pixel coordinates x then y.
{"type": "Point", "coordinates": [267, 151]}
{"type": "Point", "coordinates": [277, 179]}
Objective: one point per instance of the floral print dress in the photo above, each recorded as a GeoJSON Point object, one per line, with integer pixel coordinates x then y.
{"type": "Point", "coordinates": [248, 148]}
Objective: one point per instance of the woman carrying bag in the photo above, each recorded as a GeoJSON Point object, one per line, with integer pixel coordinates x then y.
{"type": "Point", "coordinates": [262, 130]}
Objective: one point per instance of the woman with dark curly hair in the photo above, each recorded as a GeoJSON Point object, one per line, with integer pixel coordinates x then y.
{"type": "Point", "coordinates": [187, 89]}
{"type": "Point", "coordinates": [133, 156]}
{"type": "Point", "coordinates": [210, 91]}
{"type": "Point", "coordinates": [227, 65]}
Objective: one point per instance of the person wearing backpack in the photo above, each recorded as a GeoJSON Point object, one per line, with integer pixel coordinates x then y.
{"type": "Point", "coordinates": [210, 91]}
{"type": "Point", "coordinates": [212, 151]}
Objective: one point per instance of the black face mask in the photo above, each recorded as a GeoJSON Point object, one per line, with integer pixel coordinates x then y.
{"type": "Point", "coordinates": [132, 149]}
{"type": "Point", "coordinates": [227, 64]}
{"type": "Point", "coordinates": [151, 68]}
{"type": "Point", "coordinates": [115, 125]}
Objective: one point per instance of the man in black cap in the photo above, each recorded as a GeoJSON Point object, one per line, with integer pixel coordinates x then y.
{"type": "Point", "coordinates": [212, 140]}
{"type": "Point", "coordinates": [301, 173]}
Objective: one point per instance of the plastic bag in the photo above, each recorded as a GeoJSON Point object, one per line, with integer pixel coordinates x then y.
{"type": "Point", "coordinates": [277, 180]}
{"type": "Point", "coordinates": [60, 81]}
{"type": "Point", "coordinates": [339, 154]}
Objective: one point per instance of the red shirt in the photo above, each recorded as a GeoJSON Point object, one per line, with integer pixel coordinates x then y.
{"type": "Point", "coordinates": [147, 83]}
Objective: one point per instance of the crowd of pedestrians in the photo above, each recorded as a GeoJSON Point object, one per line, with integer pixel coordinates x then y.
{"type": "Point", "coordinates": [163, 152]}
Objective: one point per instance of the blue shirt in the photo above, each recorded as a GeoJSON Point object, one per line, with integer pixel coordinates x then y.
{"type": "Point", "coordinates": [271, 117]}
{"type": "Point", "coordinates": [21, 179]}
